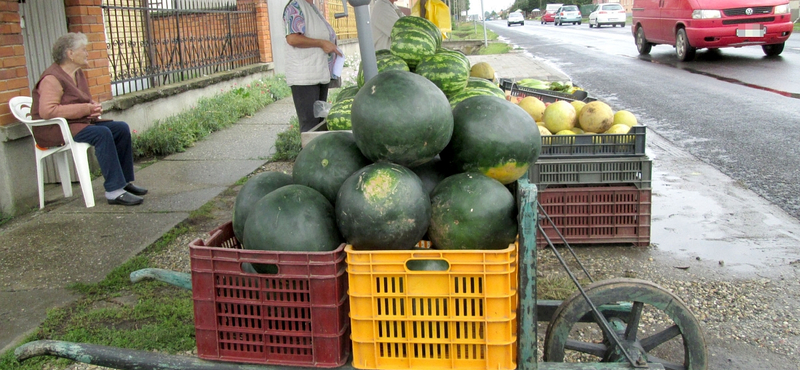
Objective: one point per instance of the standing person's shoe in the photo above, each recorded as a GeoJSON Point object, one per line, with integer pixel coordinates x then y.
{"type": "Point", "coordinates": [135, 190]}
{"type": "Point", "coordinates": [127, 199]}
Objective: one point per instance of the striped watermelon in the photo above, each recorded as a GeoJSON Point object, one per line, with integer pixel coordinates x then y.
{"type": "Point", "coordinates": [456, 53]}
{"type": "Point", "coordinates": [445, 70]}
{"type": "Point", "coordinates": [412, 45]}
{"type": "Point", "coordinates": [339, 115]}
{"type": "Point", "coordinates": [412, 22]}
{"type": "Point", "coordinates": [482, 83]}
{"type": "Point", "coordinates": [470, 92]}
{"type": "Point", "coordinates": [385, 63]}
{"type": "Point", "coordinates": [379, 53]}
{"type": "Point", "coordinates": [347, 92]}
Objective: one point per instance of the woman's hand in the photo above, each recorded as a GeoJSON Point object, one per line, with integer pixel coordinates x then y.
{"type": "Point", "coordinates": [329, 47]}
{"type": "Point", "coordinates": [97, 110]}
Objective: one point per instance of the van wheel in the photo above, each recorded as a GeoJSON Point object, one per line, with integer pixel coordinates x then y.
{"type": "Point", "coordinates": [684, 50]}
{"type": "Point", "coordinates": [773, 49]}
{"type": "Point", "coordinates": [579, 23]}
{"type": "Point", "coordinates": [590, 25]}
{"type": "Point", "coordinates": [641, 42]}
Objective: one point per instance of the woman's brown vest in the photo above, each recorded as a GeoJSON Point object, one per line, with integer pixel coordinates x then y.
{"type": "Point", "coordinates": [49, 136]}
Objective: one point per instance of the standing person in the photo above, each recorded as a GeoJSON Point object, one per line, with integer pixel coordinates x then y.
{"type": "Point", "coordinates": [309, 59]}
{"type": "Point", "coordinates": [62, 91]}
{"type": "Point", "coordinates": [383, 15]}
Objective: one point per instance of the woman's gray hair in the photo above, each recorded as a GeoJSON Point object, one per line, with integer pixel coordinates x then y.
{"type": "Point", "coordinates": [70, 41]}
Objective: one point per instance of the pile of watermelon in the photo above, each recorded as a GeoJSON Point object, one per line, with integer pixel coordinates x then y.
{"type": "Point", "coordinates": [418, 164]}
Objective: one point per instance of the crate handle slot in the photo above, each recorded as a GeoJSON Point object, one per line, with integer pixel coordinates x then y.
{"type": "Point", "coordinates": [427, 264]}
{"type": "Point", "coordinates": [260, 268]}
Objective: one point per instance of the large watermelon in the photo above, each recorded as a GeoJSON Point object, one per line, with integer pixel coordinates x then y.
{"type": "Point", "coordinates": [445, 70]}
{"type": "Point", "coordinates": [472, 211]}
{"type": "Point", "coordinates": [385, 63]}
{"type": "Point", "coordinates": [412, 45]}
{"type": "Point", "coordinates": [401, 117]}
{"type": "Point", "coordinates": [251, 192]}
{"type": "Point", "coordinates": [493, 136]}
{"type": "Point", "coordinates": [419, 23]}
{"type": "Point", "coordinates": [326, 161]}
{"type": "Point", "coordinates": [383, 206]}
{"type": "Point", "coordinates": [339, 115]}
{"type": "Point", "coordinates": [292, 218]}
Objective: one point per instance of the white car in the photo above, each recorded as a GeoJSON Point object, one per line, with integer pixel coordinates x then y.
{"type": "Point", "coordinates": [516, 18]}
{"type": "Point", "coordinates": [607, 14]}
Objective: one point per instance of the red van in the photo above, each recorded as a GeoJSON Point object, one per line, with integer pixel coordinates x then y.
{"type": "Point", "coordinates": [689, 25]}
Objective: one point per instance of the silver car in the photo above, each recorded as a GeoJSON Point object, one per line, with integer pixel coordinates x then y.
{"type": "Point", "coordinates": [567, 14]}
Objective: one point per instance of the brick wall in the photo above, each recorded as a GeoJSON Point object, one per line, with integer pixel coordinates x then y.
{"type": "Point", "coordinates": [262, 28]}
{"type": "Point", "coordinates": [13, 73]}
{"type": "Point", "coordinates": [86, 16]}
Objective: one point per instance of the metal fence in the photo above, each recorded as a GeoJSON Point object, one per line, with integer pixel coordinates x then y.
{"type": "Point", "coordinates": [153, 43]}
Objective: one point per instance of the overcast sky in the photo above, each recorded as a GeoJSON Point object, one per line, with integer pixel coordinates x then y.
{"type": "Point", "coordinates": [488, 5]}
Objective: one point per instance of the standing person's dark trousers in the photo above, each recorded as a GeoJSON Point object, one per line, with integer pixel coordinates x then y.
{"type": "Point", "coordinates": [112, 146]}
{"type": "Point", "coordinates": [304, 97]}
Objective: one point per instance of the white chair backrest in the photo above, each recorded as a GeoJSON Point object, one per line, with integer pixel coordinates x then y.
{"type": "Point", "coordinates": [21, 108]}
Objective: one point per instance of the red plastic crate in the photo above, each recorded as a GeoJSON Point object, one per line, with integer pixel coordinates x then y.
{"type": "Point", "coordinates": [596, 215]}
{"type": "Point", "coordinates": [297, 317]}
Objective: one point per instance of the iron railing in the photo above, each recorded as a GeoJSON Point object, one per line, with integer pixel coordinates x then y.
{"type": "Point", "coordinates": [153, 43]}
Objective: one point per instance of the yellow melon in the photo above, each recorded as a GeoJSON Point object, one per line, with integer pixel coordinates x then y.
{"type": "Point", "coordinates": [482, 70]}
{"type": "Point", "coordinates": [625, 118]}
{"type": "Point", "coordinates": [596, 116]}
{"type": "Point", "coordinates": [533, 106]}
{"type": "Point", "coordinates": [559, 116]}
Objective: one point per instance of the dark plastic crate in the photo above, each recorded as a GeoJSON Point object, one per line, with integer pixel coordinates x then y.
{"type": "Point", "coordinates": [547, 96]}
{"type": "Point", "coordinates": [297, 317]}
{"type": "Point", "coordinates": [636, 171]}
{"type": "Point", "coordinates": [596, 215]}
{"type": "Point", "coordinates": [596, 145]}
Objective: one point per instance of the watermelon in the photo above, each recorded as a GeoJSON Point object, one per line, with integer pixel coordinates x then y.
{"type": "Point", "coordinates": [470, 211]}
{"type": "Point", "coordinates": [418, 23]}
{"type": "Point", "coordinates": [382, 52]}
{"type": "Point", "coordinates": [432, 173]}
{"type": "Point", "coordinates": [492, 136]}
{"type": "Point", "coordinates": [446, 71]}
{"type": "Point", "coordinates": [251, 192]}
{"type": "Point", "coordinates": [347, 92]}
{"type": "Point", "coordinates": [468, 93]}
{"type": "Point", "coordinates": [457, 54]}
{"type": "Point", "coordinates": [427, 264]}
{"type": "Point", "coordinates": [401, 117]}
{"type": "Point", "coordinates": [326, 161]}
{"type": "Point", "coordinates": [292, 218]}
{"type": "Point", "coordinates": [385, 63]}
{"type": "Point", "coordinates": [412, 45]}
{"type": "Point", "coordinates": [339, 115]}
{"type": "Point", "coordinates": [481, 83]}
{"type": "Point", "coordinates": [383, 206]}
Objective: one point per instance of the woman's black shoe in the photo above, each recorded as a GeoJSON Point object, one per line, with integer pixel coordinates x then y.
{"type": "Point", "coordinates": [135, 190]}
{"type": "Point", "coordinates": [127, 199]}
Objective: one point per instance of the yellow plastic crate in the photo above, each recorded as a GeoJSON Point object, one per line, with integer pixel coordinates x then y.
{"type": "Point", "coordinates": [462, 318]}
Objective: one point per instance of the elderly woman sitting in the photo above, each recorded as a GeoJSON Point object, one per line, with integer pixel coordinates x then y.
{"type": "Point", "coordinates": [63, 91]}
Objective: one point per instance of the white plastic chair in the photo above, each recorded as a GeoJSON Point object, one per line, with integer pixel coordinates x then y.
{"type": "Point", "coordinates": [21, 108]}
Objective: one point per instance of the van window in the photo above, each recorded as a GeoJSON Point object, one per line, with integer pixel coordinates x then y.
{"type": "Point", "coordinates": [571, 8]}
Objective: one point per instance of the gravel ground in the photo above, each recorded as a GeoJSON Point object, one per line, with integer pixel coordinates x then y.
{"type": "Point", "coordinates": [748, 323]}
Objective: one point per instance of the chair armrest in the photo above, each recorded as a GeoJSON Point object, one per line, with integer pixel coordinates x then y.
{"type": "Point", "coordinates": [61, 122]}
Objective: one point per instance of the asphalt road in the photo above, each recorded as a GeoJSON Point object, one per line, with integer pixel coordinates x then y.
{"type": "Point", "coordinates": [733, 108]}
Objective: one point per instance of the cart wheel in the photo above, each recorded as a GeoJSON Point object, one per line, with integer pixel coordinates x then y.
{"type": "Point", "coordinates": [675, 340]}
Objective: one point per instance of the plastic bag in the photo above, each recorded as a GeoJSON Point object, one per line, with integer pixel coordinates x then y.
{"type": "Point", "coordinates": [437, 12]}
{"type": "Point", "coordinates": [321, 108]}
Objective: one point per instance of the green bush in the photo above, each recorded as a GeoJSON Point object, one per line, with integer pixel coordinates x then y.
{"type": "Point", "coordinates": [176, 133]}
{"type": "Point", "coordinates": [288, 144]}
